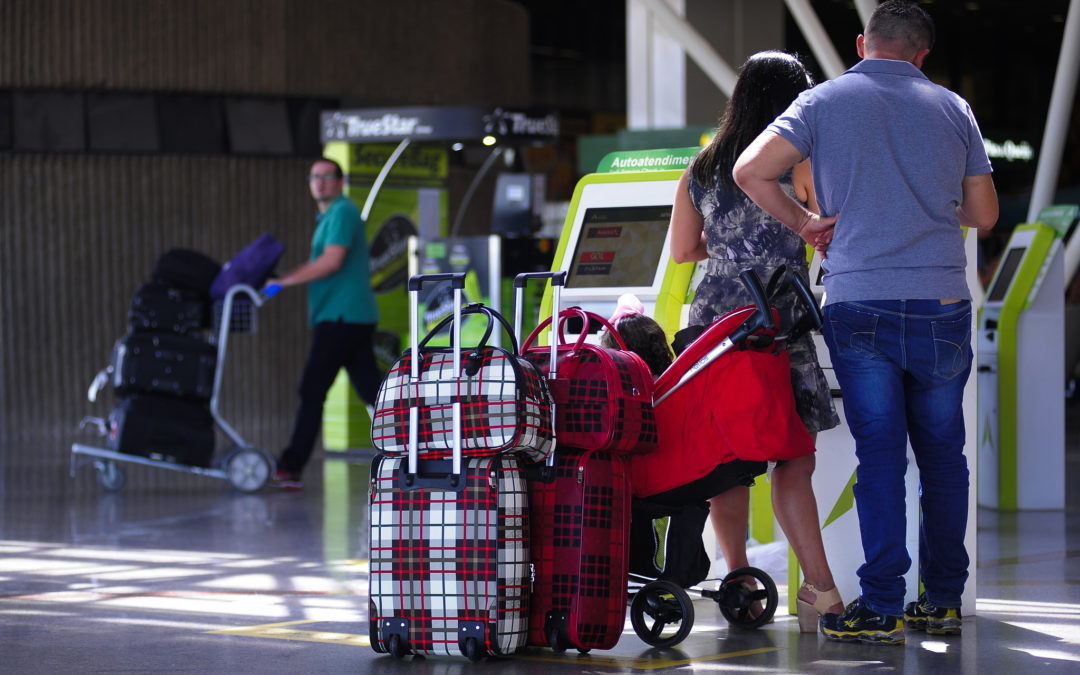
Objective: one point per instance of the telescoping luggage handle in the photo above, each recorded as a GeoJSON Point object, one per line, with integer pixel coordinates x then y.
{"type": "Point", "coordinates": [558, 280]}
{"type": "Point", "coordinates": [457, 283]}
{"type": "Point", "coordinates": [761, 319]}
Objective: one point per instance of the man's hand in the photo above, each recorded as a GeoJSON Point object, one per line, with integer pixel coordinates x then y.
{"type": "Point", "coordinates": [326, 264]}
{"type": "Point", "coordinates": [817, 231]}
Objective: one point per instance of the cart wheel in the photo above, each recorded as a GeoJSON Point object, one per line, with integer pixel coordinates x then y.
{"type": "Point", "coordinates": [110, 476]}
{"type": "Point", "coordinates": [555, 641]}
{"type": "Point", "coordinates": [473, 652]}
{"type": "Point", "coordinates": [248, 469]}
{"type": "Point", "coordinates": [736, 597]}
{"type": "Point", "coordinates": [662, 614]}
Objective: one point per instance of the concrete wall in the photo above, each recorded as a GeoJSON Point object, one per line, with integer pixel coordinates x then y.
{"type": "Point", "coordinates": [383, 52]}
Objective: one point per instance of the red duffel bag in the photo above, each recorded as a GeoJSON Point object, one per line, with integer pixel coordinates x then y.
{"type": "Point", "coordinates": [603, 397]}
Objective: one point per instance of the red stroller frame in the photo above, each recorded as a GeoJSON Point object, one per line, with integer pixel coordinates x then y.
{"type": "Point", "coordinates": [661, 611]}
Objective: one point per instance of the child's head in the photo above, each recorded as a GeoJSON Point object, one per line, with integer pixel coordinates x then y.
{"type": "Point", "coordinates": [644, 337]}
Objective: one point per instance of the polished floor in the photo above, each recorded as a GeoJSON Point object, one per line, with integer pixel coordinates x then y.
{"type": "Point", "coordinates": [276, 582]}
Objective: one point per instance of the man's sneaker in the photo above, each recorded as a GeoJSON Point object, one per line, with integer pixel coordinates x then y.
{"type": "Point", "coordinates": [859, 623]}
{"type": "Point", "coordinates": [287, 481]}
{"type": "Point", "coordinates": [922, 615]}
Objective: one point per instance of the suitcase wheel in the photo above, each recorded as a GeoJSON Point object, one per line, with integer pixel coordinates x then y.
{"type": "Point", "coordinates": [473, 651]}
{"type": "Point", "coordinates": [555, 640]}
{"type": "Point", "coordinates": [737, 597]}
{"type": "Point", "coordinates": [398, 649]}
{"type": "Point", "coordinates": [662, 614]}
{"type": "Point", "coordinates": [109, 475]}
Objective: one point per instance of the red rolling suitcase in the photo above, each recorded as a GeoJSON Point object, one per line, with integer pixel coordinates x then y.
{"type": "Point", "coordinates": [449, 544]}
{"type": "Point", "coordinates": [579, 506]}
{"type": "Point", "coordinates": [580, 519]}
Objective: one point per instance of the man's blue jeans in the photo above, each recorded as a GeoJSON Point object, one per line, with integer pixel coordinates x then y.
{"type": "Point", "coordinates": [902, 366]}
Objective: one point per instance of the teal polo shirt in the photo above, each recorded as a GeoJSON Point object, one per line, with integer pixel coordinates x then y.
{"type": "Point", "coordinates": [346, 294]}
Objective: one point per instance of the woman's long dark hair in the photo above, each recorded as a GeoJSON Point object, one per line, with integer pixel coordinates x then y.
{"type": "Point", "coordinates": [767, 84]}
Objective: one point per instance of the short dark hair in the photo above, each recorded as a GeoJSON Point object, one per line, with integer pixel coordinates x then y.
{"type": "Point", "coordinates": [902, 23]}
{"type": "Point", "coordinates": [644, 337]}
{"type": "Point", "coordinates": [337, 167]}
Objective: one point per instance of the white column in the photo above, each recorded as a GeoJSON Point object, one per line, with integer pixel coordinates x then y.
{"type": "Point", "coordinates": [1057, 120]}
{"type": "Point", "coordinates": [865, 8]}
{"type": "Point", "coordinates": [655, 67]}
{"type": "Point", "coordinates": [815, 34]}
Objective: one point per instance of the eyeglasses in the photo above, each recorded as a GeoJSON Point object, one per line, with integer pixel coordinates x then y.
{"type": "Point", "coordinates": [322, 176]}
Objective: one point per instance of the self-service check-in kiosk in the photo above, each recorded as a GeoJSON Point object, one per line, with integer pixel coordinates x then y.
{"type": "Point", "coordinates": [1021, 358]}
{"type": "Point", "coordinates": [616, 240]}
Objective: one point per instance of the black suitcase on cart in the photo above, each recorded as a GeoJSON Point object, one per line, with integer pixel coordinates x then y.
{"type": "Point", "coordinates": [186, 269]}
{"type": "Point", "coordinates": [163, 363]}
{"type": "Point", "coordinates": [162, 427]}
{"type": "Point", "coordinates": [160, 308]}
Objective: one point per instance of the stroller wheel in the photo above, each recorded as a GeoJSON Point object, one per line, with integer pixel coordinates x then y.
{"type": "Point", "coordinates": [737, 598]}
{"type": "Point", "coordinates": [662, 614]}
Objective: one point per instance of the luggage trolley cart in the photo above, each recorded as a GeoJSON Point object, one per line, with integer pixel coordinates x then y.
{"type": "Point", "coordinates": [246, 466]}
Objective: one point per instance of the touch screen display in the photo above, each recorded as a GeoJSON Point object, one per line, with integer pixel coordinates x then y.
{"type": "Point", "coordinates": [1006, 274]}
{"type": "Point", "coordinates": [619, 246]}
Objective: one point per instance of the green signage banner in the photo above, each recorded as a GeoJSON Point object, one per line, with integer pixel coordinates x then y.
{"type": "Point", "coordinates": [647, 160]}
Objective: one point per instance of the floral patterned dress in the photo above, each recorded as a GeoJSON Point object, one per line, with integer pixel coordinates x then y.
{"type": "Point", "coordinates": [740, 235]}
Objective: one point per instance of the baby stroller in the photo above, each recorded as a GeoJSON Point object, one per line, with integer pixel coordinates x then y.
{"type": "Point", "coordinates": [695, 460]}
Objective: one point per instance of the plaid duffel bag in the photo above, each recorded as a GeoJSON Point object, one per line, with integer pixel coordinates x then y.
{"type": "Point", "coordinates": [505, 402]}
{"type": "Point", "coordinates": [603, 397]}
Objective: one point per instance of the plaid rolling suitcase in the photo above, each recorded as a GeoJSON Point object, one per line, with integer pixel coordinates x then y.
{"type": "Point", "coordinates": [580, 517]}
{"type": "Point", "coordinates": [579, 507]}
{"type": "Point", "coordinates": [449, 547]}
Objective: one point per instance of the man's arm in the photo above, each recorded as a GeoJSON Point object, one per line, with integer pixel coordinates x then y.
{"type": "Point", "coordinates": [687, 226]}
{"type": "Point", "coordinates": [979, 208]}
{"type": "Point", "coordinates": [327, 263]}
{"type": "Point", "coordinates": [758, 171]}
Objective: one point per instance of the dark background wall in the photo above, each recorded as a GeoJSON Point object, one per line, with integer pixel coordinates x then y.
{"type": "Point", "coordinates": [91, 191]}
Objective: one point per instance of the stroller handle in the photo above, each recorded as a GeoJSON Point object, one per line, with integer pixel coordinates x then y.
{"type": "Point", "coordinates": [814, 319]}
{"type": "Point", "coordinates": [762, 319]}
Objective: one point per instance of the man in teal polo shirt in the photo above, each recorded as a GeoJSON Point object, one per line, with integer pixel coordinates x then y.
{"type": "Point", "coordinates": [342, 314]}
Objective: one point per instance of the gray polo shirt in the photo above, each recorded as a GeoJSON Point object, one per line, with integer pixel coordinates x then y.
{"type": "Point", "coordinates": [889, 151]}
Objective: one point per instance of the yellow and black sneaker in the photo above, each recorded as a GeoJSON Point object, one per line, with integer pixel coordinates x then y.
{"type": "Point", "coordinates": [859, 623]}
{"type": "Point", "coordinates": [922, 615]}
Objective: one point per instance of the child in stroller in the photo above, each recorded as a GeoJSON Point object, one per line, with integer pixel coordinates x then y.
{"type": "Point", "coordinates": [717, 434]}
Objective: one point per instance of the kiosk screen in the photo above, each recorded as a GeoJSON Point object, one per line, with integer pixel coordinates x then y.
{"type": "Point", "coordinates": [619, 246]}
{"type": "Point", "coordinates": [1006, 274]}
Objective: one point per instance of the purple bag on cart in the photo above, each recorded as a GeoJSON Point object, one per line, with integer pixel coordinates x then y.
{"type": "Point", "coordinates": [251, 266]}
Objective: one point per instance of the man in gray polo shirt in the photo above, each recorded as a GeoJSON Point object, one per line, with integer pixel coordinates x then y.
{"type": "Point", "coordinates": [899, 166]}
